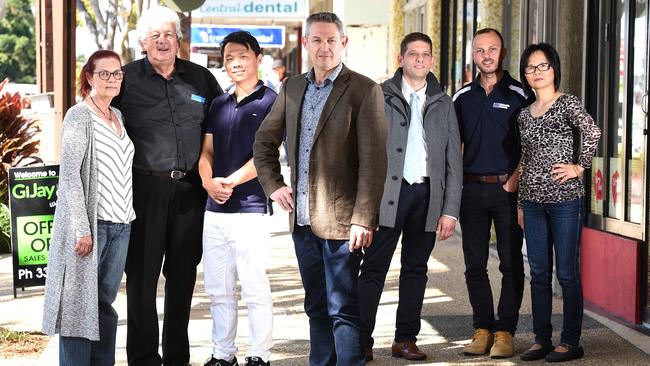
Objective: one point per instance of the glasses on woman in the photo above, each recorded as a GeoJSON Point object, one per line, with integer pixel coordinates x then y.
{"type": "Point", "coordinates": [105, 75]}
{"type": "Point", "coordinates": [544, 66]}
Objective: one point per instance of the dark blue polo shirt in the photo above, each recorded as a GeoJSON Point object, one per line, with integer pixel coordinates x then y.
{"type": "Point", "coordinates": [233, 126]}
{"type": "Point", "coordinates": [488, 126]}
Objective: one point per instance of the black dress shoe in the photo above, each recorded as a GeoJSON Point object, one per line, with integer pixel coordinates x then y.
{"type": "Point", "coordinates": [573, 353]}
{"type": "Point", "coordinates": [537, 354]}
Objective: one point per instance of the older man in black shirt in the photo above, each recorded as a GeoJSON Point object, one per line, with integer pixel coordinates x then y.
{"type": "Point", "coordinates": [164, 101]}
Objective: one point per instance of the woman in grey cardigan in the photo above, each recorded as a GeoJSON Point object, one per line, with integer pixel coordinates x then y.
{"type": "Point", "coordinates": [92, 220]}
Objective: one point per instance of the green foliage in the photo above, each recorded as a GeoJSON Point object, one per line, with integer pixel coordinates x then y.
{"type": "Point", "coordinates": [18, 138]}
{"type": "Point", "coordinates": [5, 229]}
{"type": "Point", "coordinates": [17, 45]}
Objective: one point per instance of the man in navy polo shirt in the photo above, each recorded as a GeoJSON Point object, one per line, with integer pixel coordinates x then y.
{"type": "Point", "coordinates": [235, 238]}
{"type": "Point", "coordinates": [487, 112]}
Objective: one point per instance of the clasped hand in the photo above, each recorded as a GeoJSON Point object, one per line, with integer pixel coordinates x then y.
{"type": "Point", "coordinates": [220, 189]}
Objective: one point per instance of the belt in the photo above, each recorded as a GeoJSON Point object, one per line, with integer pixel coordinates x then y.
{"type": "Point", "coordinates": [491, 179]}
{"type": "Point", "coordinates": [173, 174]}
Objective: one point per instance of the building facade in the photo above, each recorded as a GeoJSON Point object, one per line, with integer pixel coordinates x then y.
{"type": "Point", "coordinates": [604, 50]}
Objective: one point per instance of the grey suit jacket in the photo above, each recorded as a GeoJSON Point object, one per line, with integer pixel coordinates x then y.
{"type": "Point", "coordinates": [444, 159]}
{"type": "Point", "coordinates": [347, 164]}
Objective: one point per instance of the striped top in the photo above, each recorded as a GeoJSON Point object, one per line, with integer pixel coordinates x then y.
{"type": "Point", "coordinates": [114, 174]}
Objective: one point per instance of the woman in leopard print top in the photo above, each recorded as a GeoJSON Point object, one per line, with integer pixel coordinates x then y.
{"type": "Point", "coordinates": [554, 137]}
{"type": "Point", "coordinates": [558, 140]}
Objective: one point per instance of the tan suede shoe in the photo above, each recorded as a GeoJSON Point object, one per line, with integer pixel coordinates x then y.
{"type": "Point", "coordinates": [481, 342]}
{"type": "Point", "coordinates": [503, 346]}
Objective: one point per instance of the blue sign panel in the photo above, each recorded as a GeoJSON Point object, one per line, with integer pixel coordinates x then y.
{"type": "Point", "coordinates": [205, 35]}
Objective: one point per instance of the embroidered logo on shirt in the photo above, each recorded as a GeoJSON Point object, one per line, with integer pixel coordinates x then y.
{"type": "Point", "coordinates": [500, 105]}
{"type": "Point", "coordinates": [198, 98]}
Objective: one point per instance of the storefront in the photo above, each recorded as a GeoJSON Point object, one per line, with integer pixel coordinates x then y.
{"type": "Point", "coordinates": [604, 51]}
{"type": "Point", "coordinates": [276, 24]}
{"type": "Point", "coordinates": [616, 93]}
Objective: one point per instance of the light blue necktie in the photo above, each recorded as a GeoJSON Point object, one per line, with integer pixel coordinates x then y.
{"type": "Point", "coordinates": [415, 154]}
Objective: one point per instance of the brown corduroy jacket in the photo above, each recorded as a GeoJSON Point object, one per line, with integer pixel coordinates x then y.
{"type": "Point", "coordinates": [348, 158]}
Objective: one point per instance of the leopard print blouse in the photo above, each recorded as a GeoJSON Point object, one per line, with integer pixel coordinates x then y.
{"type": "Point", "coordinates": [567, 134]}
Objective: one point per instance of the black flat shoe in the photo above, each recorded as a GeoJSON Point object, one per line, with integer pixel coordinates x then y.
{"type": "Point", "coordinates": [538, 354]}
{"type": "Point", "coordinates": [573, 353]}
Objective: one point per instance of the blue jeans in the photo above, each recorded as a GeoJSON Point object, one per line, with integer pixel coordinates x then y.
{"type": "Point", "coordinates": [329, 275]}
{"type": "Point", "coordinates": [555, 227]}
{"type": "Point", "coordinates": [112, 244]}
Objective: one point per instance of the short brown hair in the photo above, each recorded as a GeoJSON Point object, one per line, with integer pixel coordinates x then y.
{"type": "Point", "coordinates": [412, 37]}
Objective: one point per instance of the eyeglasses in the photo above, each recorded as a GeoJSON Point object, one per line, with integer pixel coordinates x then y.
{"type": "Point", "coordinates": [105, 75]}
{"type": "Point", "coordinates": [544, 66]}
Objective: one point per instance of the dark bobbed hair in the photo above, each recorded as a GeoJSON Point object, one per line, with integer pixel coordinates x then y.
{"type": "Point", "coordinates": [243, 38]}
{"type": "Point", "coordinates": [490, 30]}
{"type": "Point", "coordinates": [412, 37]}
{"type": "Point", "coordinates": [553, 59]}
{"type": "Point", "coordinates": [89, 68]}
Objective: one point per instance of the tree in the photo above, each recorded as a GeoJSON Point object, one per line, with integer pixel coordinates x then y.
{"type": "Point", "coordinates": [109, 21]}
{"type": "Point", "coordinates": [17, 45]}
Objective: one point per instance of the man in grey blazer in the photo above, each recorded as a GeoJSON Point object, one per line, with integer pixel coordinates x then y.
{"type": "Point", "coordinates": [422, 192]}
{"type": "Point", "coordinates": [336, 135]}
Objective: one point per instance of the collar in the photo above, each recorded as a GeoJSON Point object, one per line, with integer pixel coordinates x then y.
{"type": "Point", "coordinates": [505, 82]}
{"type": "Point", "coordinates": [179, 67]}
{"type": "Point", "coordinates": [432, 92]}
{"type": "Point", "coordinates": [407, 90]}
{"type": "Point", "coordinates": [331, 77]}
{"type": "Point", "coordinates": [258, 92]}
{"type": "Point", "coordinates": [233, 88]}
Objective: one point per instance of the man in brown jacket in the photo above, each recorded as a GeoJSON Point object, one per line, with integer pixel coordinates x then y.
{"type": "Point", "coordinates": [336, 138]}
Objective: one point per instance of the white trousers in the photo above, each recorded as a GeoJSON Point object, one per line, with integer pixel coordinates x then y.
{"type": "Point", "coordinates": [236, 245]}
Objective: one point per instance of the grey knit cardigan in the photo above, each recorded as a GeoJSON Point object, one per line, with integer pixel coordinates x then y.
{"type": "Point", "coordinates": [71, 305]}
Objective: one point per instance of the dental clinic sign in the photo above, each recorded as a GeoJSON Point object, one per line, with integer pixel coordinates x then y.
{"type": "Point", "coordinates": [207, 35]}
{"type": "Point", "coordinates": [274, 9]}
{"type": "Point", "coordinates": [32, 201]}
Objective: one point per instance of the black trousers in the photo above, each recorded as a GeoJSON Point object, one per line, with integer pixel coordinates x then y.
{"type": "Point", "coordinates": [481, 205]}
{"type": "Point", "coordinates": [417, 245]}
{"type": "Point", "coordinates": [168, 225]}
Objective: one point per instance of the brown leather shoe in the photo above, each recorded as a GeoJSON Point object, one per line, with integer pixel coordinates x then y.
{"type": "Point", "coordinates": [408, 350]}
{"type": "Point", "coordinates": [367, 353]}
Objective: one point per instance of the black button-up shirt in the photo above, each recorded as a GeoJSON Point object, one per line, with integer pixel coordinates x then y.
{"type": "Point", "coordinates": [164, 118]}
{"type": "Point", "coordinates": [488, 125]}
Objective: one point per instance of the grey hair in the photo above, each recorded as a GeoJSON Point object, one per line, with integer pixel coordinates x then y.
{"type": "Point", "coordinates": [155, 17]}
{"type": "Point", "coordinates": [323, 17]}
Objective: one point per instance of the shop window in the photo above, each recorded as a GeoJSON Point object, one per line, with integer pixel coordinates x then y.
{"type": "Point", "coordinates": [415, 16]}
{"type": "Point", "coordinates": [636, 156]}
{"type": "Point", "coordinates": [618, 175]}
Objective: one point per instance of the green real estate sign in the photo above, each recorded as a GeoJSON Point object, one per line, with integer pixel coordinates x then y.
{"type": "Point", "coordinates": [32, 201]}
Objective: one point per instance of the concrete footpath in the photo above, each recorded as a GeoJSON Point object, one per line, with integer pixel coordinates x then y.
{"type": "Point", "coordinates": [446, 323]}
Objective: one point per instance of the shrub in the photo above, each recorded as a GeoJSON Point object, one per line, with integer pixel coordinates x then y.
{"type": "Point", "coordinates": [18, 147]}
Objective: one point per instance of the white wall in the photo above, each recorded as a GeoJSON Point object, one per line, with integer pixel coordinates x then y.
{"type": "Point", "coordinates": [367, 26]}
{"type": "Point", "coordinates": [369, 12]}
